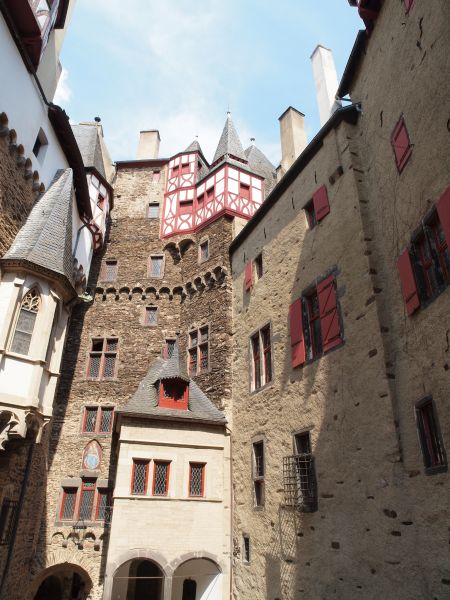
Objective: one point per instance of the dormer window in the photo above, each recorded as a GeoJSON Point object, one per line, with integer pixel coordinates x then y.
{"type": "Point", "coordinates": [173, 393]}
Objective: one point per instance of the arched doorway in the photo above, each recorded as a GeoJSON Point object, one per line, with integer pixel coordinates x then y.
{"type": "Point", "coordinates": [197, 579]}
{"type": "Point", "coordinates": [138, 579]}
{"type": "Point", "coordinates": [63, 582]}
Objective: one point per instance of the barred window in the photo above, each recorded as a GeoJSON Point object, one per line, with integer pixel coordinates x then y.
{"type": "Point", "coordinates": [161, 478]}
{"type": "Point", "coordinates": [102, 358]}
{"type": "Point", "coordinates": [196, 479]}
{"type": "Point", "coordinates": [151, 315]}
{"type": "Point", "coordinates": [26, 321]}
{"type": "Point", "coordinates": [156, 266]}
{"type": "Point", "coordinates": [299, 475]}
{"type": "Point", "coordinates": [139, 476]}
{"type": "Point", "coordinates": [68, 504]}
{"type": "Point", "coordinates": [246, 549]}
{"type": "Point", "coordinates": [198, 351]}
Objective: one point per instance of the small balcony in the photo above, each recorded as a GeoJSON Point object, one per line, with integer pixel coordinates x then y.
{"type": "Point", "coordinates": [299, 481]}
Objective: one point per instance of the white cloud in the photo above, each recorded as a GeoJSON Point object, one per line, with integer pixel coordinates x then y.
{"type": "Point", "coordinates": [63, 92]}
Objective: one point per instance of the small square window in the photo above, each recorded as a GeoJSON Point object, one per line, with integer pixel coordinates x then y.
{"type": "Point", "coordinates": [153, 210]}
{"type": "Point", "coordinates": [151, 315]}
{"type": "Point", "coordinates": [186, 207]}
{"type": "Point", "coordinates": [210, 194]}
{"type": "Point", "coordinates": [40, 144]}
{"type": "Point", "coordinates": [203, 251]}
{"type": "Point", "coordinates": [244, 191]}
{"type": "Point", "coordinates": [200, 200]}
{"type": "Point", "coordinates": [110, 270]}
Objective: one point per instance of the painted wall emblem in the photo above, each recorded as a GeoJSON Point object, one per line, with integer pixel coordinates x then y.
{"type": "Point", "coordinates": [92, 456]}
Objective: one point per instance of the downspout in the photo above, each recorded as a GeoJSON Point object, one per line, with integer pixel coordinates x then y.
{"type": "Point", "coordinates": [17, 515]}
{"type": "Point", "coordinates": [231, 514]}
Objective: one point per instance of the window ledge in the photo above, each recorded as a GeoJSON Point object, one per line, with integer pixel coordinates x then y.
{"type": "Point", "coordinates": [87, 524]}
{"type": "Point", "coordinates": [436, 470]}
{"type": "Point", "coordinates": [263, 387]}
{"type": "Point", "coordinates": [167, 498]}
{"type": "Point", "coordinates": [24, 358]}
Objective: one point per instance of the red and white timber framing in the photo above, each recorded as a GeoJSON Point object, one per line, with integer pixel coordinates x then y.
{"type": "Point", "coordinates": [189, 206]}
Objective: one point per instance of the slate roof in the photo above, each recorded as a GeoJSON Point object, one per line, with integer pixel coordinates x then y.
{"type": "Point", "coordinates": [229, 143]}
{"type": "Point", "coordinates": [45, 239]}
{"type": "Point", "coordinates": [144, 403]}
{"type": "Point", "coordinates": [88, 141]}
{"type": "Point", "coordinates": [194, 147]}
{"type": "Point", "coordinates": [261, 165]}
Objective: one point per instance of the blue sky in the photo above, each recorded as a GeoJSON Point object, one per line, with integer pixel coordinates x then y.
{"type": "Point", "coordinates": [178, 65]}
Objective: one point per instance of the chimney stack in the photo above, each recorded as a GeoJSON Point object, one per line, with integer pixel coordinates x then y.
{"type": "Point", "coordinates": [326, 82]}
{"type": "Point", "coordinates": [293, 138]}
{"type": "Point", "coordinates": [148, 144]}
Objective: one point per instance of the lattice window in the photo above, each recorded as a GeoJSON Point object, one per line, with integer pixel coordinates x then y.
{"type": "Point", "coordinates": [102, 505]}
{"type": "Point", "coordinates": [139, 477]}
{"type": "Point", "coordinates": [106, 419]}
{"type": "Point", "coordinates": [90, 420]}
{"type": "Point", "coordinates": [151, 315]}
{"type": "Point", "coordinates": [102, 358]}
{"type": "Point", "coordinates": [169, 348]}
{"type": "Point", "coordinates": [68, 504]}
{"type": "Point", "coordinates": [8, 516]}
{"type": "Point", "coordinates": [86, 499]}
{"type": "Point", "coordinates": [300, 485]}
{"type": "Point", "coordinates": [26, 321]}
{"type": "Point", "coordinates": [161, 478]}
{"type": "Point", "coordinates": [196, 479]}
{"type": "Point", "coordinates": [156, 266]}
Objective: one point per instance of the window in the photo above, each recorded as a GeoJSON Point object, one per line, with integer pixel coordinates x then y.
{"type": "Point", "coordinates": [246, 549]}
{"type": "Point", "coordinates": [259, 267]}
{"type": "Point", "coordinates": [68, 504]}
{"type": "Point", "coordinates": [102, 512]}
{"type": "Point", "coordinates": [102, 358]}
{"type": "Point", "coordinates": [317, 208]}
{"type": "Point", "coordinates": [86, 502]}
{"type": "Point", "coordinates": [248, 275]}
{"type": "Point", "coordinates": [189, 589]}
{"type": "Point", "coordinates": [156, 176]}
{"type": "Point", "coordinates": [408, 5]}
{"type": "Point", "coordinates": [200, 200]}
{"type": "Point", "coordinates": [261, 355]}
{"type": "Point", "coordinates": [299, 475]}
{"type": "Point", "coordinates": [8, 516]}
{"type": "Point", "coordinates": [169, 348]}
{"type": "Point", "coordinates": [433, 450]}
{"type": "Point", "coordinates": [203, 251]}
{"type": "Point", "coordinates": [198, 351]}
{"type": "Point", "coordinates": [196, 479]}
{"type": "Point", "coordinates": [210, 194]}
{"type": "Point", "coordinates": [424, 268]}
{"type": "Point", "coordinates": [156, 266]}
{"type": "Point", "coordinates": [139, 476]}
{"type": "Point", "coordinates": [161, 478]}
{"type": "Point", "coordinates": [176, 171]}
{"type": "Point", "coordinates": [173, 393]}
{"type": "Point", "coordinates": [26, 321]}
{"type": "Point", "coordinates": [186, 206]}
{"type": "Point", "coordinates": [315, 325]}
{"type": "Point", "coordinates": [153, 210]}
{"type": "Point", "coordinates": [97, 419]}
{"type": "Point", "coordinates": [185, 168]}
{"type": "Point", "coordinates": [258, 470]}
{"type": "Point", "coordinates": [109, 272]}
{"type": "Point", "coordinates": [151, 316]}
{"type": "Point", "coordinates": [401, 144]}
{"type": "Point", "coordinates": [101, 201]}
{"type": "Point", "coordinates": [39, 144]}
{"type": "Point", "coordinates": [244, 191]}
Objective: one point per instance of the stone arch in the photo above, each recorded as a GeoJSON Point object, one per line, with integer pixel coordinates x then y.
{"type": "Point", "coordinates": [178, 562]}
{"type": "Point", "coordinates": [59, 567]}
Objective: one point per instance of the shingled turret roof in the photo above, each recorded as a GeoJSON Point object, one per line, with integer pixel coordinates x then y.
{"type": "Point", "coordinates": [88, 141]}
{"type": "Point", "coordinates": [194, 147]}
{"type": "Point", "coordinates": [261, 165]}
{"type": "Point", "coordinates": [45, 239]}
{"type": "Point", "coordinates": [229, 143]}
{"type": "Point", "coordinates": [145, 403]}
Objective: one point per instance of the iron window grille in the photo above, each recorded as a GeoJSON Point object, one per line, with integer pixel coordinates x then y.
{"type": "Point", "coordinates": [161, 478]}
{"type": "Point", "coordinates": [300, 485]}
{"type": "Point", "coordinates": [261, 355]}
{"type": "Point", "coordinates": [102, 358]}
{"type": "Point", "coordinates": [97, 419]}
{"type": "Point", "coordinates": [196, 479]}
{"type": "Point", "coordinates": [8, 516]}
{"type": "Point", "coordinates": [198, 351]}
{"type": "Point", "coordinates": [139, 477]}
{"type": "Point", "coordinates": [433, 451]}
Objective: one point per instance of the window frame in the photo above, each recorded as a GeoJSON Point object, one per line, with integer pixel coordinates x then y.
{"type": "Point", "coordinates": [19, 308]}
{"type": "Point", "coordinates": [203, 471]}
{"type": "Point", "coordinates": [146, 311]}
{"type": "Point", "coordinates": [201, 259]}
{"type": "Point", "coordinates": [430, 467]}
{"type": "Point", "coordinates": [401, 161]}
{"type": "Point", "coordinates": [8, 519]}
{"type": "Point", "coordinates": [157, 463]}
{"type": "Point", "coordinates": [197, 348]}
{"type": "Point", "coordinates": [163, 264]}
{"type": "Point", "coordinates": [256, 342]}
{"type": "Point", "coordinates": [77, 487]}
{"type": "Point", "coordinates": [100, 409]}
{"type": "Point", "coordinates": [103, 276]}
{"type": "Point", "coordinates": [62, 504]}
{"type": "Point", "coordinates": [146, 462]}
{"type": "Point", "coordinates": [103, 354]}
{"type": "Point", "coordinates": [310, 213]}
{"type": "Point", "coordinates": [151, 205]}
{"type": "Point", "coordinates": [258, 479]}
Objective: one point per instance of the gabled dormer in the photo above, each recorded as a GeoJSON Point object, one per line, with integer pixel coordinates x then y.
{"type": "Point", "coordinates": [173, 393]}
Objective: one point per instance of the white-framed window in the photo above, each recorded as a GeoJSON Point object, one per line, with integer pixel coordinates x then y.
{"type": "Point", "coordinates": [26, 321]}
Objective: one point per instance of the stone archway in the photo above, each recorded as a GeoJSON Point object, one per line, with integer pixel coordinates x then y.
{"type": "Point", "coordinates": [138, 579]}
{"type": "Point", "coordinates": [197, 579]}
{"type": "Point", "coordinates": [64, 581]}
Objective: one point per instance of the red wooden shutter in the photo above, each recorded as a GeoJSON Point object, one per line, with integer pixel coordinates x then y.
{"type": "Point", "coordinates": [321, 204]}
{"type": "Point", "coordinates": [408, 282]}
{"type": "Point", "coordinates": [248, 277]}
{"type": "Point", "coordinates": [297, 338]}
{"type": "Point", "coordinates": [329, 316]}
{"type": "Point", "coordinates": [443, 210]}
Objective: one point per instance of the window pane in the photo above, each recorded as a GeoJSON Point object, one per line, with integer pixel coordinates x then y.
{"type": "Point", "coordinates": [102, 504]}
{"type": "Point", "coordinates": [90, 418]}
{"type": "Point", "coordinates": [68, 508]}
{"type": "Point", "coordinates": [196, 481]}
{"type": "Point", "coordinates": [193, 339]}
{"type": "Point", "coordinates": [94, 365]}
{"type": "Point", "coordinates": [259, 492]}
{"type": "Point", "coordinates": [106, 420]}
{"type": "Point", "coordinates": [256, 362]}
{"type": "Point", "coordinates": [26, 321]}
{"type": "Point", "coordinates": [151, 315]}
{"type": "Point", "coordinates": [110, 361]}
{"type": "Point", "coordinates": [139, 477]}
{"type": "Point", "coordinates": [204, 334]}
{"type": "Point", "coordinates": [111, 345]}
{"type": "Point", "coordinates": [170, 347]}
{"type": "Point", "coordinates": [153, 211]}
{"type": "Point", "coordinates": [204, 251]}
{"type": "Point", "coordinates": [156, 266]}
{"type": "Point", "coordinates": [97, 345]}
{"type": "Point", "coordinates": [204, 357]}
{"type": "Point", "coordinates": [258, 454]}
{"type": "Point", "coordinates": [21, 342]}
{"type": "Point", "coordinates": [110, 270]}
{"type": "Point", "coordinates": [161, 479]}
{"type": "Point", "coordinates": [87, 501]}
{"type": "Point", "coordinates": [193, 361]}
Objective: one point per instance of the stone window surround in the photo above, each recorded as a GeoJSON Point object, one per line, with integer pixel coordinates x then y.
{"type": "Point", "coordinates": [246, 536]}
{"type": "Point", "coordinates": [99, 379]}
{"type": "Point", "coordinates": [267, 385]}
{"type": "Point", "coordinates": [203, 240]}
{"type": "Point", "coordinates": [258, 438]}
{"type": "Point", "coordinates": [82, 415]}
{"type": "Point", "coordinates": [307, 429]}
{"type": "Point", "coordinates": [102, 275]}
{"type": "Point", "coordinates": [75, 482]}
{"type": "Point", "coordinates": [197, 328]}
{"type": "Point", "coordinates": [149, 267]}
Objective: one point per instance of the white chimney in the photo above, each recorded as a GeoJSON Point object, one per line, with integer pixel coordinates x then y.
{"type": "Point", "coordinates": [293, 137]}
{"type": "Point", "coordinates": [326, 82]}
{"type": "Point", "coordinates": [148, 144]}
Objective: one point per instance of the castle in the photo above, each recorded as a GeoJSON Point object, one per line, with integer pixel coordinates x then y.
{"type": "Point", "coordinates": [228, 379]}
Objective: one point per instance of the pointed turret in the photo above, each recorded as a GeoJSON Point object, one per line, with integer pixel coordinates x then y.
{"type": "Point", "coordinates": [194, 147]}
{"type": "Point", "coordinates": [229, 146]}
{"type": "Point", "coordinates": [46, 238]}
{"type": "Point", "coordinates": [261, 165]}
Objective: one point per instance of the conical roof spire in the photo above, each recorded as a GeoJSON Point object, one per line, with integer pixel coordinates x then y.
{"type": "Point", "coordinates": [194, 147]}
{"type": "Point", "coordinates": [229, 144]}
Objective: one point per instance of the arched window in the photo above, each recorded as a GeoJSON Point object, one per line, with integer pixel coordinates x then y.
{"type": "Point", "coordinates": [26, 321]}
